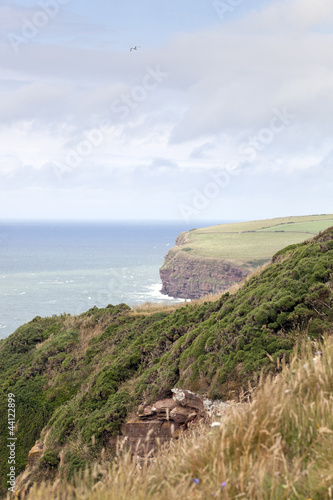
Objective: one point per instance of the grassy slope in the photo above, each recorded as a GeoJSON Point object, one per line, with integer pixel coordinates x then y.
{"type": "Point", "coordinates": [252, 242]}
{"type": "Point", "coordinates": [80, 377]}
{"type": "Point", "coordinates": [279, 446]}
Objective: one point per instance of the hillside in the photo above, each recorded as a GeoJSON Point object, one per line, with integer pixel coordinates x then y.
{"type": "Point", "coordinates": [277, 446]}
{"type": "Point", "coordinates": [211, 259]}
{"type": "Point", "coordinates": [76, 380]}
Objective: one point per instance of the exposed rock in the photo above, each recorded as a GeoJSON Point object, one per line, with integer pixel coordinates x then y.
{"type": "Point", "coordinates": [182, 415]}
{"type": "Point", "coordinates": [23, 481]}
{"type": "Point", "coordinates": [189, 277]}
{"type": "Point", "coordinates": [157, 423]}
{"type": "Point", "coordinates": [160, 408]}
{"type": "Point", "coordinates": [145, 436]}
{"type": "Point", "coordinates": [35, 454]}
{"type": "Point", "coordinates": [189, 399]}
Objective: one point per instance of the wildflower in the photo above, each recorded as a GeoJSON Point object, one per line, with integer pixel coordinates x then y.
{"type": "Point", "coordinates": [196, 481]}
{"type": "Point", "coordinates": [319, 353]}
{"type": "Point", "coordinates": [223, 485]}
{"type": "Point", "coordinates": [216, 424]}
{"type": "Point", "coordinates": [286, 391]}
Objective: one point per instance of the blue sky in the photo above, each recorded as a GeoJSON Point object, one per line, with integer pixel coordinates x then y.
{"type": "Point", "coordinates": [223, 112]}
{"type": "Point", "coordinates": [149, 21]}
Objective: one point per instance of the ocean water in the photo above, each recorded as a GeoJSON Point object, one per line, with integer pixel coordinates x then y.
{"type": "Point", "coordinates": [55, 268]}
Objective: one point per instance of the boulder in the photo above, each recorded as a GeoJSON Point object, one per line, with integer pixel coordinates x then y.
{"type": "Point", "coordinates": [182, 415]}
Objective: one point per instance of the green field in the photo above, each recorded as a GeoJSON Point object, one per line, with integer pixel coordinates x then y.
{"type": "Point", "coordinates": [252, 242]}
{"type": "Point", "coordinates": [313, 227]}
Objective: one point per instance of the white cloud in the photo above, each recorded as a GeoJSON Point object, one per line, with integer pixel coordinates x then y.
{"type": "Point", "coordinates": [212, 92]}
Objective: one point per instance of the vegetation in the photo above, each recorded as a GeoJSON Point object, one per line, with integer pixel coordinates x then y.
{"type": "Point", "coordinates": [76, 380]}
{"type": "Point", "coordinates": [251, 243]}
{"type": "Point", "coordinates": [279, 446]}
{"type": "Point", "coordinates": [257, 225]}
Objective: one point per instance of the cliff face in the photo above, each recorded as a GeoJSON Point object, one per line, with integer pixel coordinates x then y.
{"type": "Point", "coordinates": [190, 277]}
{"type": "Point", "coordinates": [210, 260]}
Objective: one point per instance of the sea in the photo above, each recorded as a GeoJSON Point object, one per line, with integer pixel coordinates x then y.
{"type": "Point", "coordinates": [53, 268]}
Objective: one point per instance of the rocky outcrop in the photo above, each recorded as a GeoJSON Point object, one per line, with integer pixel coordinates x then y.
{"type": "Point", "coordinates": [164, 420]}
{"type": "Point", "coordinates": [35, 454]}
{"type": "Point", "coordinates": [190, 277]}
{"type": "Point", "coordinates": [23, 481]}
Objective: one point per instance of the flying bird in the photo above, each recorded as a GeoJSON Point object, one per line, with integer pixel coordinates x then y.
{"type": "Point", "coordinates": [136, 47]}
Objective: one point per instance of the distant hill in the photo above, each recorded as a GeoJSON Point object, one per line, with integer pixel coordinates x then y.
{"type": "Point", "coordinates": [211, 259]}
{"type": "Point", "coordinates": [77, 379]}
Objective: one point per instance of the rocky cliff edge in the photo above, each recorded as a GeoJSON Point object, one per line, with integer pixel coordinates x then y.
{"type": "Point", "coordinates": [190, 276]}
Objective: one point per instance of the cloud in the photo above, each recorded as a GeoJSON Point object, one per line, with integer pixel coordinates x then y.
{"type": "Point", "coordinates": [202, 152]}
{"type": "Point", "coordinates": [173, 112]}
{"type": "Point", "coordinates": [48, 20]}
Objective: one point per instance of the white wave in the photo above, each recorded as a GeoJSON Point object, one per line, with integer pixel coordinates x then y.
{"type": "Point", "coordinates": [155, 293]}
{"type": "Point", "coordinates": [22, 293]}
{"type": "Point", "coordinates": [3, 326]}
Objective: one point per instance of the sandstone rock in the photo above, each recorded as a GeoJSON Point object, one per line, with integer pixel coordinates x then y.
{"type": "Point", "coordinates": [147, 411]}
{"type": "Point", "coordinates": [189, 277]}
{"type": "Point", "coordinates": [147, 435]}
{"type": "Point", "coordinates": [35, 453]}
{"type": "Point", "coordinates": [189, 399]}
{"type": "Point", "coordinates": [182, 415]}
{"type": "Point", "coordinates": [162, 421]}
{"type": "Point", "coordinates": [137, 428]}
{"type": "Point", "coordinates": [164, 405]}
{"type": "Point", "coordinates": [161, 408]}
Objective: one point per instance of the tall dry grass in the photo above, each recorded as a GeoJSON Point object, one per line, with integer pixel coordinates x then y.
{"type": "Point", "coordinates": [277, 445]}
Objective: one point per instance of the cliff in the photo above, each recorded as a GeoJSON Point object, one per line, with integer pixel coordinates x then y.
{"type": "Point", "coordinates": [209, 260]}
{"type": "Point", "coordinates": [188, 277]}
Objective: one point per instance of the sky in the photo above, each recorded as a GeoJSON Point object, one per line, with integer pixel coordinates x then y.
{"type": "Point", "coordinates": [222, 111]}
